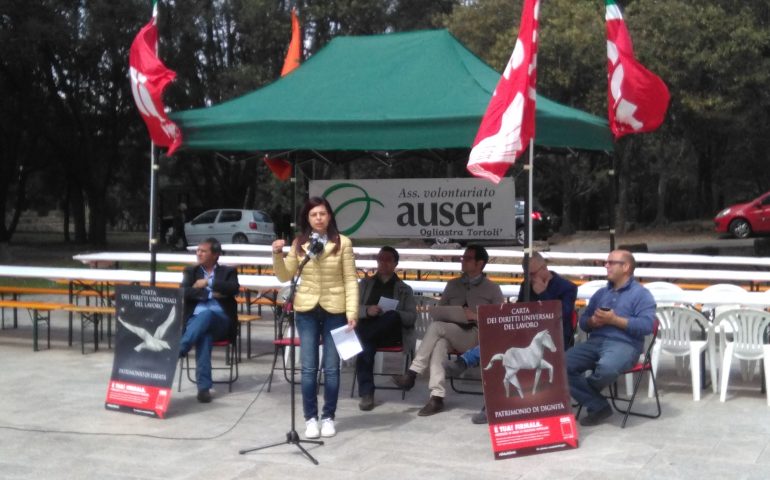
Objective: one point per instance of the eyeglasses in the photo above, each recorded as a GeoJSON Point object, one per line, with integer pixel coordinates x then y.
{"type": "Point", "coordinates": [614, 262]}
{"type": "Point", "coordinates": [467, 258]}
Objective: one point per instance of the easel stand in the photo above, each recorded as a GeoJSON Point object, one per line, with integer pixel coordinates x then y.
{"type": "Point", "coordinates": [292, 437]}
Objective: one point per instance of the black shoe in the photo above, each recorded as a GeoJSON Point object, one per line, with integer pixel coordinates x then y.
{"type": "Point", "coordinates": [367, 402]}
{"type": "Point", "coordinates": [405, 381]}
{"type": "Point", "coordinates": [596, 417]}
{"type": "Point", "coordinates": [434, 406]}
{"type": "Point", "coordinates": [480, 418]}
{"type": "Point", "coordinates": [455, 368]}
{"type": "Point", "coordinates": [204, 396]}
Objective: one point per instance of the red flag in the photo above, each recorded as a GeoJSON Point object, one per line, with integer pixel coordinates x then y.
{"type": "Point", "coordinates": [637, 99]}
{"type": "Point", "coordinates": [149, 78]}
{"type": "Point", "coordinates": [294, 55]}
{"type": "Point", "coordinates": [509, 122]}
{"type": "Point", "coordinates": [280, 168]}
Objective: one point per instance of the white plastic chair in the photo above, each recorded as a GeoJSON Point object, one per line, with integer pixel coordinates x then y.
{"type": "Point", "coordinates": [675, 337]}
{"type": "Point", "coordinates": [591, 286]}
{"type": "Point", "coordinates": [664, 287]}
{"type": "Point", "coordinates": [424, 319]}
{"type": "Point", "coordinates": [720, 289]}
{"type": "Point", "coordinates": [714, 309]}
{"type": "Point", "coordinates": [749, 342]}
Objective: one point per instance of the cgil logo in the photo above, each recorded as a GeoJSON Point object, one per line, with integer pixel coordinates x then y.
{"type": "Point", "coordinates": [365, 198]}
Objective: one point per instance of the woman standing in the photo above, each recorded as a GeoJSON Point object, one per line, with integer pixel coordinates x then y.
{"type": "Point", "coordinates": [326, 298]}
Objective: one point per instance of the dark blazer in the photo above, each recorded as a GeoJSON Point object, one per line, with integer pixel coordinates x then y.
{"type": "Point", "coordinates": [225, 282]}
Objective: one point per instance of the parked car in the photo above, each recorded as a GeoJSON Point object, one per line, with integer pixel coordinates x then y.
{"type": "Point", "coordinates": [231, 226]}
{"type": "Point", "coordinates": [541, 222]}
{"type": "Point", "coordinates": [744, 219]}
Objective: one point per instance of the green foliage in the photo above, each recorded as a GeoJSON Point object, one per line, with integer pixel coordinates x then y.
{"type": "Point", "coordinates": [70, 136]}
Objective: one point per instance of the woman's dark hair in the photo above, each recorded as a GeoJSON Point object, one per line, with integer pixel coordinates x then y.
{"type": "Point", "coordinates": [332, 232]}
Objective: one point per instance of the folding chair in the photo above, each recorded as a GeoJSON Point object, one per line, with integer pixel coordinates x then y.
{"type": "Point", "coordinates": [281, 343]}
{"type": "Point", "coordinates": [407, 356]}
{"type": "Point", "coordinates": [231, 364]}
{"type": "Point", "coordinates": [645, 365]}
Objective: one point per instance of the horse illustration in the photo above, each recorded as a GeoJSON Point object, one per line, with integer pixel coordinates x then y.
{"type": "Point", "coordinates": [531, 357]}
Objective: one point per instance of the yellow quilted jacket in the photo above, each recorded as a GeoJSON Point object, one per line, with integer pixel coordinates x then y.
{"type": "Point", "coordinates": [329, 279]}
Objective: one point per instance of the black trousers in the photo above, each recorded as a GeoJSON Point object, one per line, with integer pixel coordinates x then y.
{"type": "Point", "coordinates": [375, 332]}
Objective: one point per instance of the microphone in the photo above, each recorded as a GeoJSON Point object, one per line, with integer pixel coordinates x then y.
{"type": "Point", "coordinates": [316, 245]}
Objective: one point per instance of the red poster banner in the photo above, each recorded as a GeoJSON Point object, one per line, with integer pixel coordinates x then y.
{"type": "Point", "coordinates": [141, 399]}
{"type": "Point", "coordinates": [525, 380]}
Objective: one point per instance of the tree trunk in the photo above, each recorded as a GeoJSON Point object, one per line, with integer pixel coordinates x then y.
{"type": "Point", "coordinates": [704, 185]}
{"type": "Point", "coordinates": [97, 222]}
{"type": "Point", "coordinates": [661, 216]}
{"type": "Point", "coordinates": [567, 198]}
{"type": "Point", "coordinates": [78, 210]}
{"type": "Point", "coordinates": [65, 206]}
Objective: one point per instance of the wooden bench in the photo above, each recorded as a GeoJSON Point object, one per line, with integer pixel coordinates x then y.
{"type": "Point", "coordinates": [38, 312]}
{"type": "Point", "coordinates": [94, 315]}
{"type": "Point", "coordinates": [15, 291]}
{"type": "Point", "coordinates": [260, 300]}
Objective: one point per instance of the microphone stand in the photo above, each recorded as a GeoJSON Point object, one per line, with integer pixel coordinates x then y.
{"type": "Point", "coordinates": [292, 437]}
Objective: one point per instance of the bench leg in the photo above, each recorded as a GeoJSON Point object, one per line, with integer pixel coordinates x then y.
{"type": "Point", "coordinates": [248, 340]}
{"type": "Point", "coordinates": [37, 317]}
{"type": "Point", "coordinates": [33, 316]}
{"type": "Point", "coordinates": [97, 321]}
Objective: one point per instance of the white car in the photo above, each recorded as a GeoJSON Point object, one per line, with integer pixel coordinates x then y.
{"type": "Point", "coordinates": [231, 226]}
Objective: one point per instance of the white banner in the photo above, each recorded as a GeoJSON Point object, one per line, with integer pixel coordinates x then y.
{"type": "Point", "coordinates": [452, 208]}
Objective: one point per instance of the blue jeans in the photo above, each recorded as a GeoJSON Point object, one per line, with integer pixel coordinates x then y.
{"type": "Point", "coordinates": [472, 357]}
{"type": "Point", "coordinates": [201, 330]}
{"type": "Point", "coordinates": [606, 359]}
{"type": "Point", "coordinates": [312, 326]}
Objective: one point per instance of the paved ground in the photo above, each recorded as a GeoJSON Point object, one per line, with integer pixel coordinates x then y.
{"type": "Point", "coordinates": [53, 425]}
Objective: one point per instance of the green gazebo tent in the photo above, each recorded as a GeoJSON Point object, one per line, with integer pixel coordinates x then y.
{"type": "Point", "coordinates": [401, 91]}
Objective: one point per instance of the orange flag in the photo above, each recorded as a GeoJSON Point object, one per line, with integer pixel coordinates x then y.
{"type": "Point", "coordinates": [294, 55]}
{"type": "Point", "coordinates": [280, 168]}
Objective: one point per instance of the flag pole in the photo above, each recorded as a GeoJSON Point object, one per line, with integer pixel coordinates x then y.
{"type": "Point", "coordinates": [529, 166]}
{"type": "Point", "coordinates": [153, 212]}
{"type": "Point", "coordinates": [613, 206]}
{"type": "Point", "coordinates": [153, 186]}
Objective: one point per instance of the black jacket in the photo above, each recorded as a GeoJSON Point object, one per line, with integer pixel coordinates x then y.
{"type": "Point", "coordinates": [225, 282]}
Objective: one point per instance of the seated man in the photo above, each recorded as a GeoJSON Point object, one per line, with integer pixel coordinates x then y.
{"type": "Point", "coordinates": [617, 318]}
{"type": "Point", "coordinates": [544, 285]}
{"type": "Point", "coordinates": [209, 309]}
{"type": "Point", "coordinates": [470, 290]}
{"type": "Point", "coordinates": [379, 328]}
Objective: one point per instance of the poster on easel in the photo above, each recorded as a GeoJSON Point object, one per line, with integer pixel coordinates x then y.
{"type": "Point", "coordinates": [525, 380]}
{"type": "Point", "coordinates": [148, 331]}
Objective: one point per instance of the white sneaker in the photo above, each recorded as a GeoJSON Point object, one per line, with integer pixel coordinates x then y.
{"type": "Point", "coordinates": [311, 428]}
{"type": "Point", "coordinates": [327, 428]}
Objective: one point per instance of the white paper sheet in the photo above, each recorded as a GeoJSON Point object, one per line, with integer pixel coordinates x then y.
{"type": "Point", "coordinates": [346, 342]}
{"type": "Point", "coordinates": [387, 304]}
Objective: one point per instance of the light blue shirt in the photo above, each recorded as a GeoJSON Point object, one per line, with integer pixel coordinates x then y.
{"type": "Point", "coordinates": [211, 304]}
{"type": "Point", "coordinates": [631, 301]}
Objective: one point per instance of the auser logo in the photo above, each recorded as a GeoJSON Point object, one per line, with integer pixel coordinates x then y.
{"type": "Point", "coordinates": [363, 198]}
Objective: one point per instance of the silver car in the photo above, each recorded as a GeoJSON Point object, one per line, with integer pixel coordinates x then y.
{"type": "Point", "coordinates": [231, 226]}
